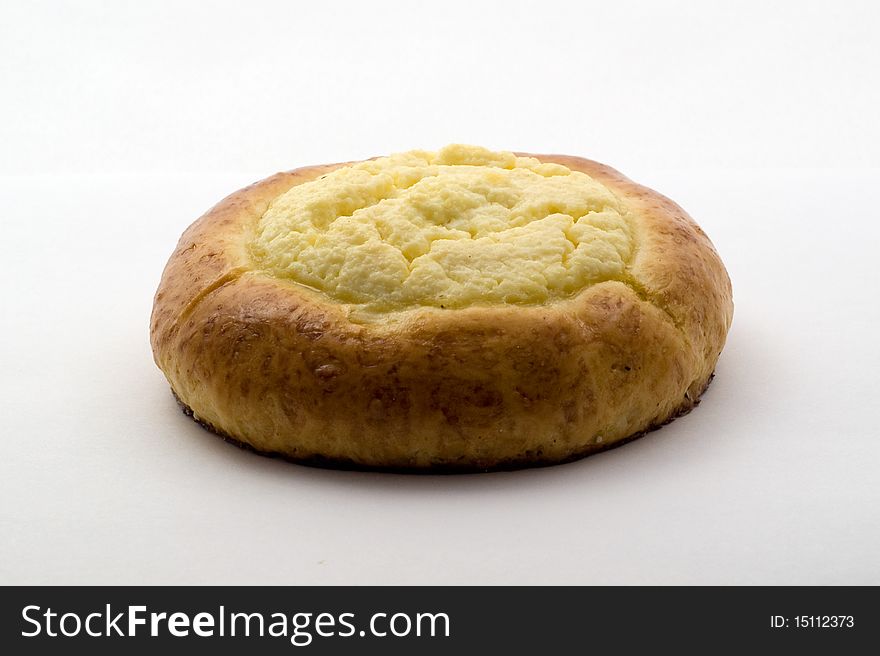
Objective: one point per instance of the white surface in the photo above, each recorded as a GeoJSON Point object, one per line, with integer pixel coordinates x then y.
{"type": "Point", "coordinates": [121, 124]}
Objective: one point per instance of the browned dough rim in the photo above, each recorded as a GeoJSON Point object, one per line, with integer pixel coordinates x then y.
{"type": "Point", "coordinates": [343, 464]}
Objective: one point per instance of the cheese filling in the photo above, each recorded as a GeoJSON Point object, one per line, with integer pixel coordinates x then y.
{"type": "Point", "coordinates": [462, 226]}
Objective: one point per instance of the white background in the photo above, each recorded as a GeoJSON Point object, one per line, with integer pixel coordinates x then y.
{"type": "Point", "coordinates": [121, 122]}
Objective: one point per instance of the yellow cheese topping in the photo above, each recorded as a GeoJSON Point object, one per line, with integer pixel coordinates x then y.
{"type": "Point", "coordinates": [462, 226]}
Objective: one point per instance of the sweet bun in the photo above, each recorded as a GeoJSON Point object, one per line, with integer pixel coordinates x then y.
{"type": "Point", "coordinates": [457, 310]}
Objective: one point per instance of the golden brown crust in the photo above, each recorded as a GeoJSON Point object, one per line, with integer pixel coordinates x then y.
{"type": "Point", "coordinates": [532, 460]}
{"type": "Point", "coordinates": [289, 371]}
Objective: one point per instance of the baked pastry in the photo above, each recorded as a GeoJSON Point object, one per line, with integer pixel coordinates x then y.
{"type": "Point", "coordinates": [457, 310]}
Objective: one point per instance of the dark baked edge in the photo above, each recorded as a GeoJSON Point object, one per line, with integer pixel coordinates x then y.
{"type": "Point", "coordinates": [447, 468]}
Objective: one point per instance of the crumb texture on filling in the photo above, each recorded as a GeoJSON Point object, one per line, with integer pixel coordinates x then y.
{"type": "Point", "coordinates": [462, 226]}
